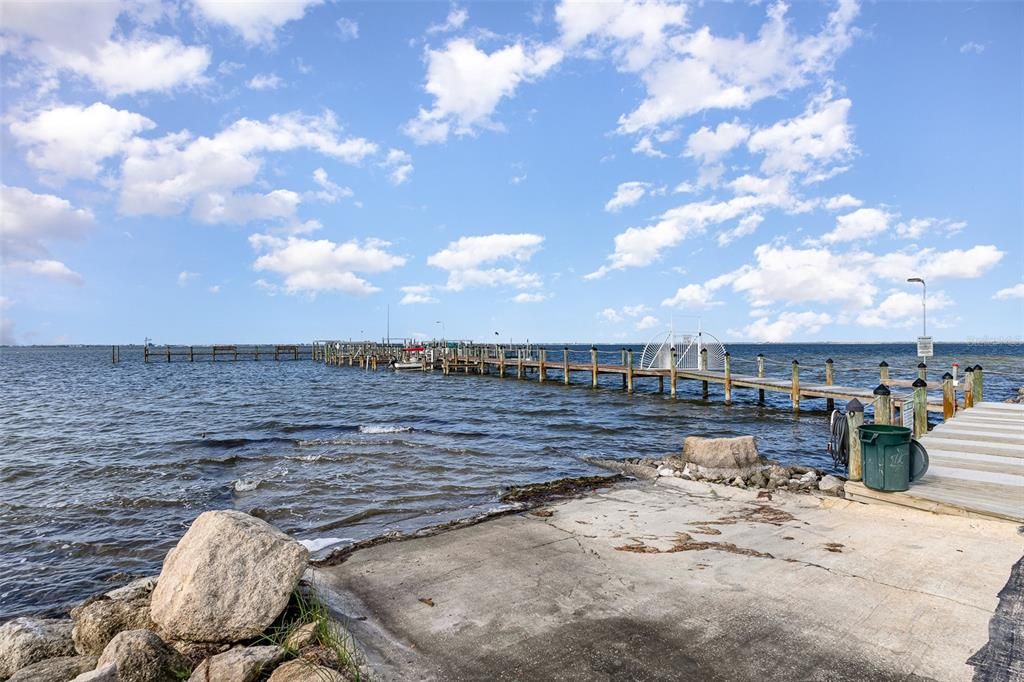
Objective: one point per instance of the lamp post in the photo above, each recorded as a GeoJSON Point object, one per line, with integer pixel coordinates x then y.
{"type": "Point", "coordinates": [924, 308]}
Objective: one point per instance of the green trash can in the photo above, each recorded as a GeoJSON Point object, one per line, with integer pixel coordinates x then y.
{"type": "Point", "coordinates": [886, 453]}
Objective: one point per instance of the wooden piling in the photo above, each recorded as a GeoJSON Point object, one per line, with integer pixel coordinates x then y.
{"type": "Point", "coordinates": [519, 364]}
{"type": "Point", "coordinates": [727, 383]}
{"type": "Point", "coordinates": [948, 396]}
{"type": "Point", "coordinates": [795, 387]}
{"type": "Point", "coordinates": [673, 373]}
{"type": "Point", "coordinates": [979, 383]}
{"type": "Point", "coordinates": [969, 386]}
{"type": "Point", "coordinates": [830, 403]}
{"type": "Point", "coordinates": [883, 372]}
{"type": "Point", "coordinates": [542, 365]}
{"type": "Point", "coordinates": [624, 382]}
{"type": "Point", "coordinates": [760, 375]}
{"type": "Point", "coordinates": [501, 362]}
{"type": "Point", "coordinates": [191, 354]}
{"type": "Point", "coordinates": [629, 370]}
{"type": "Point", "coordinates": [854, 420]}
{"type": "Point", "coordinates": [565, 365]}
{"type": "Point", "coordinates": [922, 371]}
{"type": "Point", "coordinates": [482, 359]}
{"type": "Point", "coordinates": [703, 367]}
{"type": "Point", "coordinates": [920, 407]}
{"type": "Point", "coordinates": [883, 405]}
{"type": "Point", "coordinates": [593, 367]}
{"type": "Point", "coordinates": [168, 353]}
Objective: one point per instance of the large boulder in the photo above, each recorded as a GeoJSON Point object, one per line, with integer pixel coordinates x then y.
{"type": "Point", "coordinates": [141, 656]}
{"type": "Point", "coordinates": [227, 579]}
{"type": "Point", "coordinates": [60, 669]}
{"type": "Point", "coordinates": [241, 664]}
{"type": "Point", "coordinates": [105, 673]}
{"type": "Point", "coordinates": [98, 620]}
{"type": "Point", "coordinates": [722, 457]}
{"type": "Point", "coordinates": [24, 641]}
{"type": "Point", "coordinates": [304, 671]}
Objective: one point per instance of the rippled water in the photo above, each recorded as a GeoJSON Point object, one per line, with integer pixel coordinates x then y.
{"type": "Point", "coordinates": [102, 467]}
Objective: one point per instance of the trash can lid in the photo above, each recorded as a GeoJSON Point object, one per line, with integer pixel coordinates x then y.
{"type": "Point", "coordinates": [918, 460]}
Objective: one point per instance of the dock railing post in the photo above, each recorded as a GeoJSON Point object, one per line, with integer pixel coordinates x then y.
{"type": "Point", "coordinates": [703, 367]}
{"type": "Point", "coordinates": [760, 375]}
{"type": "Point", "coordinates": [883, 372]}
{"type": "Point", "coordinates": [673, 373]}
{"type": "Point", "coordinates": [830, 404]}
{"type": "Point", "coordinates": [542, 362]}
{"type": "Point", "coordinates": [883, 405]}
{"type": "Point", "coordinates": [168, 353]}
{"type": "Point", "coordinates": [501, 362]}
{"type": "Point", "coordinates": [854, 420]}
{"type": "Point", "coordinates": [565, 365]}
{"type": "Point", "coordinates": [728, 378]}
{"type": "Point", "coordinates": [922, 371]}
{"type": "Point", "coordinates": [969, 386]}
{"type": "Point", "coordinates": [920, 407]}
{"type": "Point", "coordinates": [483, 360]}
{"type": "Point", "coordinates": [191, 356]}
{"type": "Point", "coordinates": [519, 363]}
{"type": "Point", "coordinates": [593, 366]}
{"type": "Point", "coordinates": [979, 384]}
{"type": "Point", "coordinates": [948, 396]}
{"type": "Point", "coordinates": [795, 387]}
{"type": "Point", "coordinates": [629, 370]}
{"type": "Point", "coordinates": [624, 380]}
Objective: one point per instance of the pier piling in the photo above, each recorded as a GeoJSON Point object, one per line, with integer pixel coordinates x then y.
{"type": "Point", "coordinates": [727, 383]}
{"type": "Point", "coordinates": [760, 375]}
{"type": "Point", "coordinates": [948, 396]}
{"type": "Point", "coordinates": [593, 366]}
{"type": "Point", "coordinates": [830, 404]}
{"type": "Point", "coordinates": [883, 405]}
{"type": "Point", "coordinates": [795, 387]}
{"type": "Point", "coordinates": [920, 407]}
{"type": "Point", "coordinates": [854, 420]}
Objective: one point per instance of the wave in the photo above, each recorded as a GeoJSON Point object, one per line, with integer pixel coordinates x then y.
{"type": "Point", "coordinates": [319, 543]}
{"type": "Point", "coordinates": [384, 428]}
{"type": "Point", "coordinates": [229, 443]}
{"type": "Point", "coordinates": [244, 485]}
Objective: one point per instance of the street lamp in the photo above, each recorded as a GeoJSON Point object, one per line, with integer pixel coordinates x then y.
{"type": "Point", "coordinates": [924, 308]}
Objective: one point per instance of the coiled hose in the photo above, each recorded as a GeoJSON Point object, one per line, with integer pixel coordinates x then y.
{"type": "Point", "coordinates": [837, 442]}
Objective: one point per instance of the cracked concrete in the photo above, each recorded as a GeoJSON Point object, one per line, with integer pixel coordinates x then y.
{"type": "Point", "coordinates": [820, 589]}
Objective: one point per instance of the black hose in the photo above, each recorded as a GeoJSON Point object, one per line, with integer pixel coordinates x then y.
{"type": "Point", "coordinates": [837, 442]}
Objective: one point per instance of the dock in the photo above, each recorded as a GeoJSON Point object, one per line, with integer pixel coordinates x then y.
{"type": "Point", "coordinates": [976, 467]}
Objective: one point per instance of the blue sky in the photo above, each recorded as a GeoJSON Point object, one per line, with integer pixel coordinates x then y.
{"type": "Point", "coordinates": [221, 172]}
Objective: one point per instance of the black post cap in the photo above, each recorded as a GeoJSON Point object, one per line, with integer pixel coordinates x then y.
{"type": "Point", "coordinates": [760, 355]}
{"type": "Point", "coordinates": [969, 369]}
{"type": "Point", "coordinates": [854, 406]}
{"type": "Point", "coordinates": [919, 383]}
{"type": "Point", "coordinates": [921, 365]}
{"type": "Point", "coordinates": [882, 389]}
{"type": "Point", "coordinates": [796, 362]}
{"type": "Point", "coordinates": [883, 363]}
{"type": "Point", "coordinates": [947, 376]}
{"type": "Point", "coordinates": [829, 361]}
{"type": "Point", "coordinates": [977, 368]}
{"type": "Point", "coordinates": [593, 348]}
{"type": "Point", "coordinates": [565, 348]}
{"type": "Point", "coordinates": [726, 354]}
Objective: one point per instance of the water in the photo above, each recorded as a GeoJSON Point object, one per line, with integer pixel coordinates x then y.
{"type": "Point", "coordinates": [103, 467]}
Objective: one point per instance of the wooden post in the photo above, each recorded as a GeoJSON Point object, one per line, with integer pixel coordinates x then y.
{"type": "Point", "coordinates": [979, 383]}
{"type": "Point", "coordinates": [883, 372]}
{"type": "Point", "coordinates": [543, 365]}
{"type": "Point", "coordinates": [593, 366]}
{"type": "Point", "coordinates": [760, 374]}
{"type": "Point", "coordinates": [883, 405]}
{"type": "Point", "coordinates": [483, 360]}
{"type": "Point", "coordinates": [673, 373]}
{"type": "Point", "coordinates": [920, 407]}
{"type": "Point", "coordinates": [145, 353]}
{"type": "Point", "coordinates": [624, 381]}
{"type": "Point", "coordinates": [444, 364]}
{"type": "Point", "coordinates": [830, 404]}
{"type": "Point", "coordinates": [922, 371]}
{"type": "Point", "coordinates": [191, 356]}
{"type": "Point", "coordinates": [501, 362]}
{"type": "Point", "coordinates": [629, 370]}
{"type": "Point", "coordinates": [703, 367]}
{"type": "Point", "coordinates": [519, 364]}
{"type": "Point", "coordinates": [168, 353]}
{"type": "Point", "coordinates": [661, 383]}
{"type": "Point", "coordinates": [728, 378]}
{"type": "Point", "coordinates": [969, 386]}
{"type": "Point", "coordinates": [948, 396]}
{"type": "Point", "coordinates": [854, 420]}
{"type": "Point", "coordinates": [113, 355]}
{"type": "Point", "coordinates": [795, 387]}
{"type": "Point", "coordinates": [565, 365]}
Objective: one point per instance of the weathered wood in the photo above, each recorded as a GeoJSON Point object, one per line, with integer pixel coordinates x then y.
{"type": "Point", "coordinates": [760, 375]}
{"type": "Point", "coordinates": [703, 365]}
{"type": "Point", "coordinates": [519, 364]}
{"type": "Point", "coordinates": [624, 382]}
{"type": "Point", "coordinates": [948, 396]}
{"type": "Point", "coordinates": [920, 408]}
{"type": "Point", "coordinates": [674, 373]}
{"type": "Point", "coordinates": [629, 370]}
{"type": "Point", "coordinates": [854, 420]}
{"type": "Point", "coordinates": [795, 387]}
{"type": "Point", "coordinates": [922, 371]}
{"type": "Point", "coordinates": [883, 406]}
{"type": "Point", "coordinates": [883, 372]}
{"type": "Point", "coordinates": [593, 367]}
{"type": "Point", "coordinates": [727, 383]}
{"type": "Point", "coordinates": [969, 387]}
{"type": "Point", "coordinates": [979, 384]}
{"type": "Point", "coordinates": [542, 367]}
{"type": "Point", "coordinates": [501, 362]}
{"type": "Point", "coordinates": [830, 404]}
{"type": "Point", "coordinates": [565, 365]}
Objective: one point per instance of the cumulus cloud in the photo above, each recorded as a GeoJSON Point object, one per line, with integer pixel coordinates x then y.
{"type": "Point", "coordinates": [29, 222]}
{"type": "Point", "coordinates": [860, 225]}
{"type": "Point", "coordinates": [313, 266]}
{"type": "Point", "coordinates": [256, 22]}
{"type": "Point", "coordinates": [646, 322]}
{"type": "Point", "coordinates": [417, 293]}
{"type": "Point", "coordinates": [471, 261]}
{"type": "Point", "coordinates": [398, 163]}
{"type": "Point", "coordinates": [693, 297]}
{"type": "Point", "coordinates": [809, 144]}
{"type": "Point", "coordinates": [709, 146]}
{"type": "Point", "coordinates": [525, 297]}
{"type": "Point", "coordinates": [329, 191]}
{"type": "Point", "coordinates": [915, 228]}
{"type": "Point", "coordinates": [467, 85]}
{"type": "Point", "coordinates": [1016, 291]}
{"type": "Point", "coordinates": [636, 33]}
{"type": "Point", "coordinates": [456, 18]}
{"type": "Point", "coordinates": [348, 29]}
{"type": "Point", "coordinates": [265, 81]}
{"type": "Point", "coordinates": [842, 201]}
{"type": "Point", "coordinates": [786, 325]}
{"type": "Point", "coordinates": [626, 194]}
{"type": "Point", "coordinates": [901, 309]}
{"type": "Point", "coordinates": [184, 277]}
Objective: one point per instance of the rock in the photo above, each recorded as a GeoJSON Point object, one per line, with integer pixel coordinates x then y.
{"type": "Point", "coordinates": [301, 637]}
{"type": "Point", "coordinates": [757, 480]}
{"type": "Point", "coordinates": [24, 641]}
{"type": "Point", "coordinates": [739, 482]}
{"type": "Point", "coordinates": [303, 671]}
{"type": "Point", "coordinates": [227, 579]}
{"type": "Point", "coordinates": [830, 485]}
{"type": "Point", "coordinates": [196, 652]}
{"type": "Point", "coordinates": [141, 656]}
{"type": "Point", "coordinates": [241, 664]}
{"type": "Point", "coordinates": [666, 471]}
{"type": "Point", "coordinates": [794, 483]}
{"type": "Point", "coordinates": [60, 669]}
{"type": "Point", "coordinates": [137, 589]}
{"type": "Point", "coordinates": [723, 457]}
{"type": "Point", "coordinates": [809, 477]}
{"type": "Point", "coordinates": [106, 673]}
{"type": "Point", "coordinates": [98, 620]}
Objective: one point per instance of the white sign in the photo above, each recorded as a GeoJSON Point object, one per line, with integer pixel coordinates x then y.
{"type": "Point", "coordinates": [924, 347]}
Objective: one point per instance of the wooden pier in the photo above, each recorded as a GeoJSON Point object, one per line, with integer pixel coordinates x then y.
{"type": "Point", "coordinates": [220, 353]}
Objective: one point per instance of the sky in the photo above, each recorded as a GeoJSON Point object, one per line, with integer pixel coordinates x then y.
{"type": "Point", "coordinates": [224, 172]}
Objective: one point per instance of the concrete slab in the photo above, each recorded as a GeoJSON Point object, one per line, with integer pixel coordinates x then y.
{"type": "Point", "coordinates": [682, 581]}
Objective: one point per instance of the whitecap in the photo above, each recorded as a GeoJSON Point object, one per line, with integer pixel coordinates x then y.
{"type": "Point", "coordinates": [244, 485]}
{"type": "Point", "coordinates": [384, 428]}
{"type": "Point", "coordinates": [319, 543]}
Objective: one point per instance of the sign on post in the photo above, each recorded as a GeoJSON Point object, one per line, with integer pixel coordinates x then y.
{"type": "Point", "coordinates": [924, 347]}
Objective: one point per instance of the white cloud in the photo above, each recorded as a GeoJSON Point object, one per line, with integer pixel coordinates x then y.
{"type": "Point", "coordinates": [971, 47]}
{"type": "Point", "coordinates": [709, 146]}
{"type": "Point", "coordinates": [957, 263]}
{"type": "Point", "coordinates": [329, 191]}
{"type": "Point", "coordinates": [46, 267]}
{"type": "Point", "coordinates": [693, 297]}
{"type": "Point", "coordinates": [313, 266]}
{"type": "Point", "coordinates": [348, 29]}
{"type": "Point", "coordinates": [399, 166]}
{"type": "Point", "coordinates": [184, 277]}
{"type": "Point", "coordinates": [1016, 291]}
{"type": "Point", "coordinates": [647, 322]}
{"type": "Point", "coordinates": [901, 309]}
{"type": "Point", "coordinates": [256, 22]}
{"type": "Point", "coordinates": [244, 207]}
{"type": "Point", "coordinates": [634, 31]}
{"type": "Point", "coordinates": [627, 194]}
{"type": "Point", "coordinates": [842, 201]}
{"type": "Point", "coordinates": [72, 141]}
{"type": "Point", "coordinates": [786, 325]}
{"type": "Point", "coordinates": [30, 221]}
{"type": "Point", "coordinates": [467, 85]}
{"type": "Point", "coordinates": [862, 224]}
{"type": "Point", "coordinates": [915, 228]}
{"type": "Point", "coordinates": [265, 81]}
{"type": "Point", "coordinates": [808, 144]}
{"type": "Point", "coordinates": [635, 310]}
{"type": "Point", "coordinates": [215, 289]}
{"type": "Point", "coordinates": [529, 298]}
{"type": "Point", "coordinates": [646, 147]}
{"type": "Point", "coordinates": [417, 293]}
{"type": "Point", "coordinates": [463, 260]}
{"type": "Point", "coordinates": [611, 315]}
{"type": "Point", "coordinates": [748, 225]}
{"type": "Point", "coordinates": [130, 67]}
{"type": "Point", "coordinates": [457, 16]}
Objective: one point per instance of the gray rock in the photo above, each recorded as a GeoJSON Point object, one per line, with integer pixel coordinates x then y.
{"type": "Point", "coordinates": [60, 669]}
{"type": "Point", "coordinates": [227, 579]}
{"type": "Point", "coordinates": [141, 656]}
{"type": "Point", "coordinates": [196, 652]}
{"type": "Point", "coordinates": [301, 637]}
{"type": "Point", "coordinates": [809, 477]}
{"type": "Point", "coordinates": [106, 673]}
{"type": "Point", "coordinates": [137, 589]}
{"type": "Point", "coordinates": [304, 671]}
{"type": "Point", "coordinates": [241, 664]}
{"type": "Point", "coordinates": [830, 485]}
{"type": "Point", "coordinates": [757, 480]}
{"type": "Point", "coordinates": [98, 620]}
{"type": "Point", "coordinates": [666, 471]}
{"type": "Point", "coordinates": [24, 641]}
{"type": "Point", "coordinates": [723, 457]}
{"type": "Point", "coordinates": [739, 482]}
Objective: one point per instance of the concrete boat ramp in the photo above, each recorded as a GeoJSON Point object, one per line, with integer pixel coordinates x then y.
{"type": "Point", "coordinates": [683, 580]}
{"type": "Point", "coordinates": [977, 466]}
